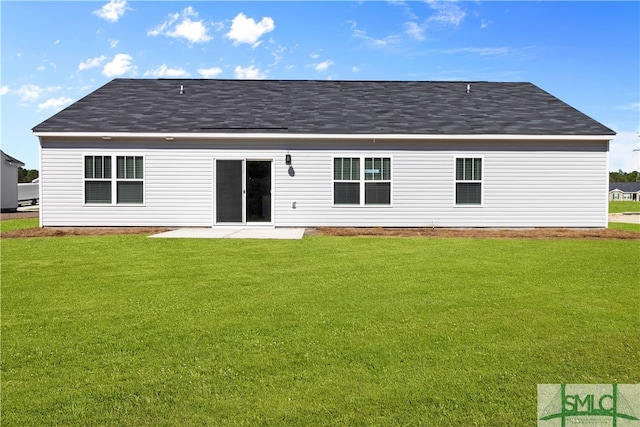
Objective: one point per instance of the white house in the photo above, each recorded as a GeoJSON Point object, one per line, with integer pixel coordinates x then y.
{"type": "Point", "coordinates": [9, 174]}
{"type": "Point", "coordinates": [624, 191]}
{"type": "Point", "coordinates": [181, 153]}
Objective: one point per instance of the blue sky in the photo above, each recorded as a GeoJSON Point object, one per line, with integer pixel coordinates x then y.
{"type": "Point", "coordinates": [586, 53]}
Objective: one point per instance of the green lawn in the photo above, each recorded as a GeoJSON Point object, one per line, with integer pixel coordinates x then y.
{"type": "Point", "coordinates": [17, 224]}
{"type": "Point", "coordinates": [126, 330]}
{"type": "Point", "coordinates": [624, 226]}
{"type": "Point", "coordinates": [619, 207]}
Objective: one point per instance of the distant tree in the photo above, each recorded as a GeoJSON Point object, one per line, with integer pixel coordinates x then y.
{"type": "Point", "coordinates": [27, 175]}
{"type": "Point", "coordinates": [624, 176]}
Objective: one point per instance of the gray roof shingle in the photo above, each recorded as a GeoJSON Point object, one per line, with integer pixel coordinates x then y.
{"type": "Point", "coordinates": [11, 159]}
{"type": "Point", "coordinates": [625, 187]}
{"type": "Point", "coordinates": [322, 107]}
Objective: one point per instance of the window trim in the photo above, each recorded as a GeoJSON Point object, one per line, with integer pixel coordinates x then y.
{"type": "Point", "coordinates": [114, 180]}
{"type": "Point", "coordinates": [85, 180]}
{"type": "Point", "coordinates": [362, 181]}
{"type": "Point", "coordinates": [457, 181]}
{"type": "Point", "coordinates": [126, 179]}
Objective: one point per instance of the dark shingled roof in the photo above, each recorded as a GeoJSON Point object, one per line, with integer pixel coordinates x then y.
{"type": "Point", "coordinates": [625, 187]}
{"type": "Point", "coordinates": [322, 107]}
{"type": "Point", "coordinates": [11, 159]}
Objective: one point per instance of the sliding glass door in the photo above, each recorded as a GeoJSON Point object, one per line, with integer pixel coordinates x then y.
{"type": "Point", "coordinates": [243, 191]}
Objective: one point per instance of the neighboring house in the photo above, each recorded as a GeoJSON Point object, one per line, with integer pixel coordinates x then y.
{"type": "Point", "coordinates": [9, 174]}
{"type": "Point", "coordinates": [624, 191]}
{"type": "Point", "coordinates": [187, 153]}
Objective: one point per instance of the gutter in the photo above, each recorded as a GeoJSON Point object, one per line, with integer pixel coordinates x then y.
{"type": "Point", "coordinates": [170, 136]}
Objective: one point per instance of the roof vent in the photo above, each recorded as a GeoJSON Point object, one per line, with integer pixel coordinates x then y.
{"type": "Point", "coordinates": [181, 89]}
{"type": "Point", "coordinates": [468, 88]}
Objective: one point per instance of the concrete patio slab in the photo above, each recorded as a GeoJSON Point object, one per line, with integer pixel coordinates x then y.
{"type": "Point", "coordinates": [234, 233]}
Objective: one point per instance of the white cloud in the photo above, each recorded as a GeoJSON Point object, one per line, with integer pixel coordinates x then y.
{"type": "Point", "coordinates": [278, 54]}
{"type": "Point", "coordinates": [621, 154]}
{"type": "Point", "coordinates": [181, 25]}
{"type": "Point", "coordinates": [54, 103]}
{"type": "Point", "coordinates": [113, 43]}
{"type": "Point", "coordinates": [121, 64]}
{"type": "Point", "coordinates": [324, 65]}
{"type": "Point", "coordinates": [30, 93]}
{"type": "Point", "coordinates": [355, 69]}
{"type": "Point", "coordinates": [414, 30]}
{"type": "Point", "coordinates": [482, 51]}
{"type": "Point", "coordinates": [447, 12]}
{"type": "Point", "coordinates": [112, 11]}
{"type": "Point", "coordinates": [91, 63]}
{"type": "Point", "coordinates": [484, 24]}
{"type": "Point", "coordinates": [632, 106]}
{"type": "Point", "coordinates": [164, 71]}
{"type": "Point", "coordinates": [4, 90]}
{"type": "Point", "coordinates": [43, 67]}
{"type": "Point", "coordinates": [194, 31]}
{"type": "Point", "coordinates": [314, 55]}
{"type": "Point", "coordinates": [249, 73]}
{"type": "Point", "coordinates": [210, 73]}
{"type": "Point", "coordinates": [386, 42]}
{"type": "Point", "coordinates": [161, 29]}
{"type": "Point", "coordinates": [246, 30]}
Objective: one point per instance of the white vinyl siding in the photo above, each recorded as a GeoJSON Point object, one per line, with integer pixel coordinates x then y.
{"type": "Point", "coordinates": [566, 184]}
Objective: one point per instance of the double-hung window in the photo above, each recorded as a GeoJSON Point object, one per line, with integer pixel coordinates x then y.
{"type": "Point", "coordinates": [346, 181]}
{"type": "Point", "coordinates": [468, 181]}
{"type": "Point", "coordinates": [97, 179]}
{"type": "Point", "coordinates": [129, 179]}
{"type": "Point", "coordinates": [351, 181]}
{"type": "Point", "coordinates": [103, 186]}
{"type": "Point", "coordinates": [377, 181]}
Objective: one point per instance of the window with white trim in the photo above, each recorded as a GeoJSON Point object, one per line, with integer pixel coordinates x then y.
{"type": "Point", "coordinates": [468, 181]}
{"type": "Point", "coordinates": [99, 187]}
{"type": "Point", "coordinates": [351, 181]}
{"type": "Point", "coordinates": [129, 179]}
{"type": "Point", "coordinates": [97, 179]}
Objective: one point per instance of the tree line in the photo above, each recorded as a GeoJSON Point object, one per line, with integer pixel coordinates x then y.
{"type": "Point", "coordinates": [27, 175]}
{"type": "Point", "coordinates": [624, 176]}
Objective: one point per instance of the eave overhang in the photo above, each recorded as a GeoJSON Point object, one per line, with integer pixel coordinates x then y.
{"type": "Point", "coordinates": [169, 136]}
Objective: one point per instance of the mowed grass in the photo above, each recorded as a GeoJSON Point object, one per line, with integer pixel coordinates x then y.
{"type": "Point", "coordinates": [127, 330]}
{"type": "Point", "coordinates": [18, 224]}
{"type": "Point", "coordinates": [624, 226]}
{"type": "Point", "coordinates": [619, 207]}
